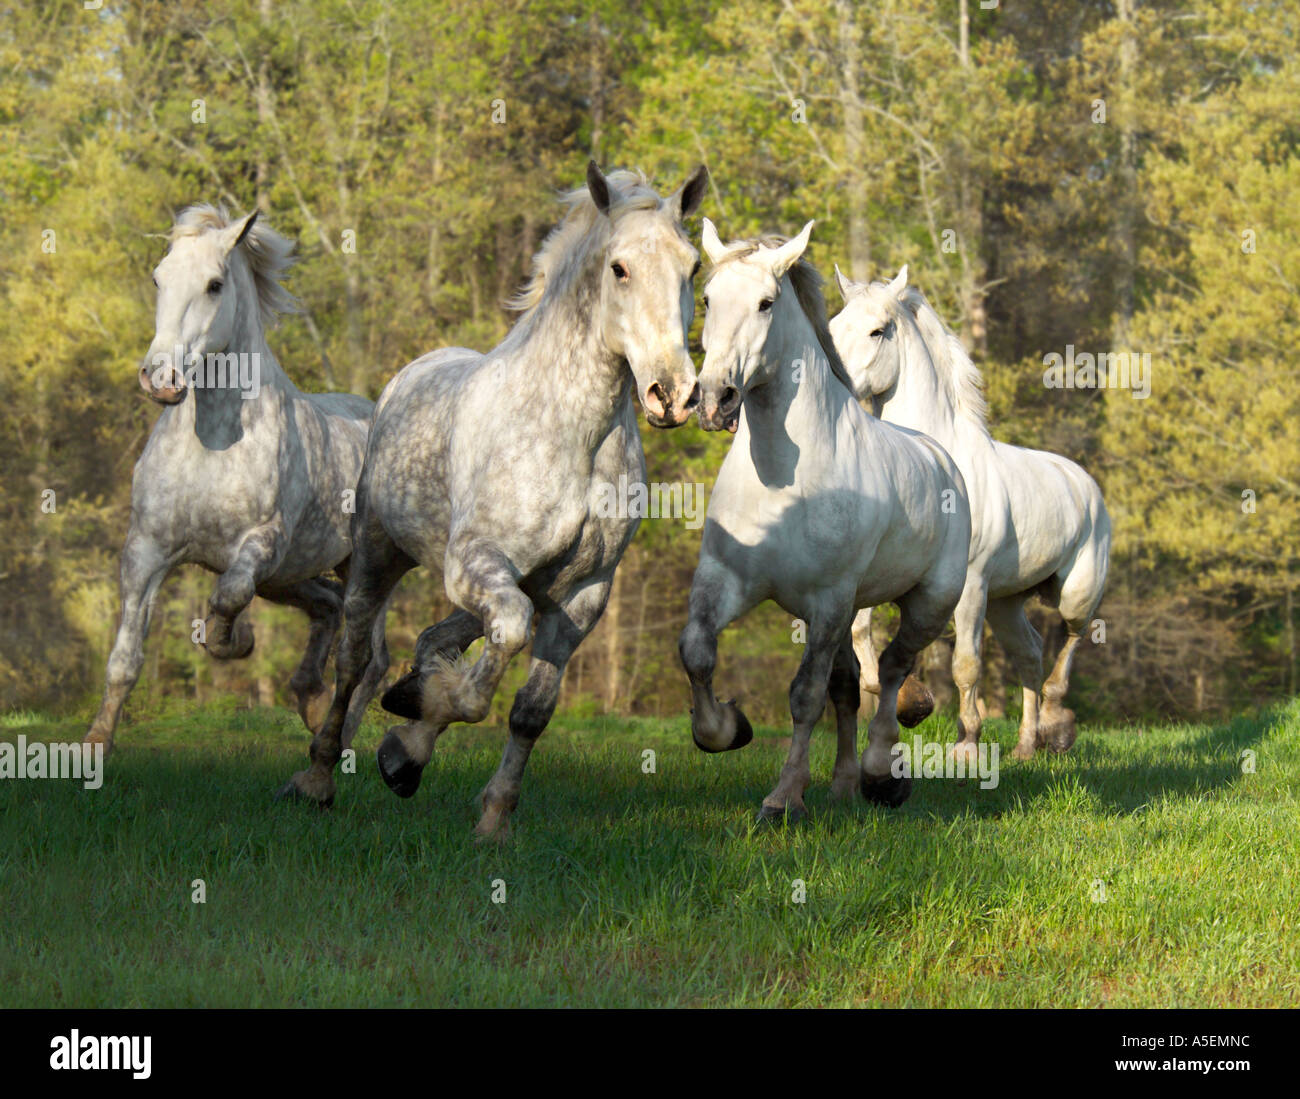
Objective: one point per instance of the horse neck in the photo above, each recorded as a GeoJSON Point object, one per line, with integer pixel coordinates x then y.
{"type": "Point", "coordinates": [221, 415]}
{"type": "Point", "coordinates": [919, 399]}
{"type": "Point", "coordinates": [560, 353]}
{"type": "Point", "coordinates": [785, 410]}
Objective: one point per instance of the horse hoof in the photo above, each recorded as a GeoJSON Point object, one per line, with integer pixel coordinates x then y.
{"type": "Point", "coordinates": [403, 698]}
{"type": "Point", "coordinates": [779, 814]}
{"type": "Point", "coordinates": [915, 702]}
{"type": "Point", "coordinates": [291, 791]}
{"type": "Point", "coordinates": [1057, 733]}
{"type": "Point", "coordinates": [743, 735]}
{"type": "Point", "coordinates": [399, 771]}
{"type": "Point", "coordinates": [890, 792]}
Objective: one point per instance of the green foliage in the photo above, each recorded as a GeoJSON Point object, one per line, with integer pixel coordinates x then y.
{"type": "Point", "coordinates": [434, 136]}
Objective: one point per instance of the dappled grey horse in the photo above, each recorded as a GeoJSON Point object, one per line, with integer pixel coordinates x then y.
{"type": "Point", "coordinates": [819, 507]}
{"type": "Point", "coordinates": [248, 477]}
{"type": "Point", "coordinates": [491, 469]}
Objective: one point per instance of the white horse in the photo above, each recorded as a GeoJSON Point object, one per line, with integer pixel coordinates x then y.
{"type": "Point", "coordinates": [1039, 524]}
{"type": "Point", "coordinates": [249, 477]}
{"type": "Point", "coordinates": [819, 507]}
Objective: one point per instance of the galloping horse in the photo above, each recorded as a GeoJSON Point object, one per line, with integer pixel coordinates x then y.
{"type": "Point", "coordinates": [1039, 524]}
{"type": "Point", "coordinates": [249, 477]}
{"type": "Point", "coordinates": [819, 507]}
{"type": "Point", "coordinates": [491, 470]}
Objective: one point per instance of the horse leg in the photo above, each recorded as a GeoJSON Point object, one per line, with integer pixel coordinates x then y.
{"type": "Point", "coordinates": [1081, 593]}
{"type": "Point", "coordinates": [435, 645]}
{"type": "Point", "coordinates": [559, 632]}
{"type": "Point", "coordinates": [923, 618]}
{"type": "Point", "coordinates": [716, 600]}
{"type": "Point", "coordinates": [846, 694]}
{"type": "Point", "coordinates": [479, 579]}
{"type": "Point", "coordinates": [374, 674]}
{"type": "Point", "coordinates": [321, 600]}
{"type": "Point", "coordinates": [915, 700]}
{"type": "Point", "coordinates": [807, 701]}
{"type": "Point", "coordinates": [1020, 641]}
{"type": "Point", "coordinates": [227, 636]}
{"type": "Point", "coordinates": [376, 567]}
{"type": "Point", "coordinates": [865, 651]}
{"type": "Point", "coordinates": [144, 567]}
{"type": "Point", "coordinates": [966, 666]}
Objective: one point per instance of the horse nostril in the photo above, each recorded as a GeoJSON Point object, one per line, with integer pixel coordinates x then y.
{"type": "Point", "coordinates": [656, 400]}
{"type": "Point", "coordinates": [730, 399]}
{"type": "Point", "coordinates": [694, 399]}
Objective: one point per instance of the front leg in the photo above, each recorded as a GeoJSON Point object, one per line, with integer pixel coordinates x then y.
{"type": "Point", "coordinates": [145, 565]}
{"type": "Point", "coordinates": [717, 599]}
{"type": "Point", "coordinates": [559, 632]}
{"type": "Point", "coordinates": [226, 635]}
{"type": "Point", "coordinates": [808, 693]}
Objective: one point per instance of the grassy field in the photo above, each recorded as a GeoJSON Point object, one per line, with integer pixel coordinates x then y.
{"type": "Point", "coordinates": [632, 889]}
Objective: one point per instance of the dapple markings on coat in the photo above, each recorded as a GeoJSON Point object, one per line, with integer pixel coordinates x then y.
{"type": "Point", "coordinates": [819, 507]}
{"type": "Point", "coordinates": [251, 489]}
{"type": "Point", "coordinates": [487, 469]}
{"type": "Point", "coordinates": [1039, 524]}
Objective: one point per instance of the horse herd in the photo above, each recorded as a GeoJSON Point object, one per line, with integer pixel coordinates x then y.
{"type": "Point", "coordinates": [485, 468]}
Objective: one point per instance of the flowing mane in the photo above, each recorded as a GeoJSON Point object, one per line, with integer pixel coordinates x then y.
{"type": "Point", "coordinates": [956, 370]}
{"type": "Point", "coordinates": [807, 282]}
{"type": "Point", "coordinates": [269, 255]}
{"type": "Point", "coordinates": [564, 248]}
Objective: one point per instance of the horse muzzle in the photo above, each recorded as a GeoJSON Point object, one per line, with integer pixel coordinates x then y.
{"type": "Point", "coordinates": [163, 384]}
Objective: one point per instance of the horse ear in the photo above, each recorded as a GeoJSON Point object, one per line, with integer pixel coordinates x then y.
{"type": "Point", "coordinates": [688, 198]}
{"type": "Point", "coordinates": [598, 187]}
{"type": "Point", "coordinates": [785, 257]}
{"type": "Point", "coordinates": [713, 246]}
{"type": "Point", "coordinates": [843, 282]}
{"type": "Point", "coordinates": [900, 282]}
{"type": "Point", "coordinates": [236, 233]}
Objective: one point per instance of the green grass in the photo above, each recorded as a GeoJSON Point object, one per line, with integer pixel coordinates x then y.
{"type": "Point", "coordinates": [627, 889]}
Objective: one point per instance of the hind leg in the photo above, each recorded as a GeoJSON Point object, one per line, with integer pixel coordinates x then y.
{"type": "Point", "coordinates": [144, 567]}
{"type": "Point", "coordinates": [559, 632]}
{"type": "Point", "coordinates": [924, 616]}
{"type": "Point", "coordinates": [479, 579]}
{"type": "Point", "coordinates": [717, 599]}
{"type": "Point", "coordinates": [322, 601]}
{"type": "Point", "coordinates": [915, 700]}
{"type": "Point", "coordinates": [969, 621]}
{"type": "Point", "coordinates": [376, 567]}
{"type": "Point", "coordinates": [227, 635]}
{"type": "Point", "coordinates": [447, 639]}
{"type": "Point", "coordinates": [845, 692]}
{"type": "Point", "coordinates": [1024, 647]}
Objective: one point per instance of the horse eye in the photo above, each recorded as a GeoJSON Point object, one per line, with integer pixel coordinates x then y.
{"type": "Point", "coordinates": [620, 272]}
{"type": "Point", "coordinates": [696, 269]}
{"type": "Point", "coordinates": [765, 305]}
{"type": "Point", "coordinates": [706, 301]}
{"type": "Point", "coordinates": [155, 281]}
{"type": "Point", "coordinates": [877, 333]}
{"type": "Point", "coordinates": [214, 287]}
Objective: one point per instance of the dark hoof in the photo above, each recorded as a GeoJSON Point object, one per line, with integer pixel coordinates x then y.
{"type": "Point", "coordinates": [915, 702]}
{"type": "Point", "coordinates": [398, 769]}
{"type": "Point", "coordinates": [744, 733]}
{"type": "Point", "coordinates": [890, 792]}
{"type": "Point", "coordinates": [782, 814]}
{"type": "Point", "coordinates": [403, 697]}
{"type": "Point", "coordinates": [290, 792]}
